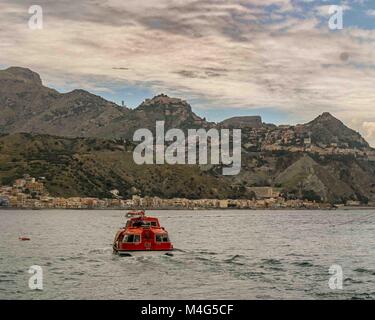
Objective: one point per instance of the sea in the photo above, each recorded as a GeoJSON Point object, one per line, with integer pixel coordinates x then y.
{"type": "Point", "coordinates": [219, 254]}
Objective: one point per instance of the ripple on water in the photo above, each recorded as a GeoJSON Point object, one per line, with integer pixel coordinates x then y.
{"type": "Point", "coordinates": [352, 281]}
{"type": "Point", "coordinates": [101, 250]}
{"type": "Point", "coordinates": [252, 275]}
{"type": "Point", "coordinates": [11, 273]}
{"type": "Point", "coordinates": [210, 253]}
{"type": "Point", "coordinates": [363, 296]}
{"type": "Point", "coordinates": [77, 273]}
{"type": "Point", "coordinates": [91, 260]}
{"type": "Point", "coordinates": [233, 258]}
{"type": "Point", "coordinates": [236, 260]}
{"type": "Point", "coordinates": [304, 264]}
{"type": "Point", "coordinates": [365, 271]}
{"type": "Point", "coordinates": [7, 280]}
{"type": "Point", "coordinates": [272, 262]}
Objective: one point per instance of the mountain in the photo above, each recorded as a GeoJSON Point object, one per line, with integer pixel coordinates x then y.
{"type": "Point", "coordinates": [28, 106]}
{"type": "Point", "coordinates": [76, 141]}
{"type": "Point", "coordinates": [306, 176]}
{"type": "Point", "coordinates": [175, 112]}
{"type": "Point", "coordinates": [92, 167]}
{"type": "Point", "coordinates": [327, 130]}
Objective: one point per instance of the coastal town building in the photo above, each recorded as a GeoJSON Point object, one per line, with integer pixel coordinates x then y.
{"type": "Point", "coordinates": [29, 193]}
{"type": "Point", "coordinates": [264, 192]}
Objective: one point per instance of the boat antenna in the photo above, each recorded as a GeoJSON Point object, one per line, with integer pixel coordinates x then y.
{"type": "Point", "coordinates": [140, 213]}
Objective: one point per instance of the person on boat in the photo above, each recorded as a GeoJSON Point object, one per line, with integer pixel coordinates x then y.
{"type": "Point", "coordinates": [138, 223]}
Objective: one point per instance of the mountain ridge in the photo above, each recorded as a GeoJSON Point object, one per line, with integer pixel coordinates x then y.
{"type": "Point", "coordinates": [76, 141]}
{"type": "Point", "coordinates": [28, 106]}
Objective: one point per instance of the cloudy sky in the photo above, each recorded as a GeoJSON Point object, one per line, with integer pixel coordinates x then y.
{"type": "Point", "coordinates": [276, 58]}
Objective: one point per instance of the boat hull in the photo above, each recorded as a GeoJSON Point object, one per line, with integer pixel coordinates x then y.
{"type": "Point", "coordinates": [127, 253]}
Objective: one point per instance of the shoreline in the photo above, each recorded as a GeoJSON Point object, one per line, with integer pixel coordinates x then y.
{"type": "Point", "coordinates": [29, 194]}
{"type": "Point", "coordinates": [349, 208]}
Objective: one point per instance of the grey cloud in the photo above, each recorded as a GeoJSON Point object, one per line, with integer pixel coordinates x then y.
{"type": "Point", "coordinates": [203, 73]}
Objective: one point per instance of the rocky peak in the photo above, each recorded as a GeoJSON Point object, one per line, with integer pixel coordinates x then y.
{"type": "Point", "coordinates": [328, 130]}
{"type": "Point", "coordinates": [24, 74]}
{"type": "Point", "coordinates": [164, 103]}
{"type": "Point", "coordinates": [164, 100]}
{"type": "Point", "coordinates": [80, 92]}
{"type": "Point", "coordinates": [243, 122]}
{"type": "Point", "coordinates": [177, 113]}
{"type": "Point", "coordinates": [326, 117]}
{"type": "Point", "coordinates": [328, 120]}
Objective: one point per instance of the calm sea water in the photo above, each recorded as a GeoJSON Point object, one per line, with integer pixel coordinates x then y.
{"type": "Point", "coordinates": [221, 255]}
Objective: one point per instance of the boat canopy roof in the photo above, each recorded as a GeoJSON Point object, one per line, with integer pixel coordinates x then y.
{"type": "Point", "coordinates": [134, 231]}
{"type": "Point", "coordinates": [159, 231]}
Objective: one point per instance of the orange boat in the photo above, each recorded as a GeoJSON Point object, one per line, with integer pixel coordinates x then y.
{"type": "Point", "coordinates": [24, 239]}
{"type": "Point", "coordinates": [141, 233]}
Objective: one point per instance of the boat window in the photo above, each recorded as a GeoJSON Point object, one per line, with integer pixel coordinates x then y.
{"type": "Point", "coordinates": [150, 223]}
{"type": "Point", "coordinates": [162, 238]}
{"type": "Point", "coordinates": [137, 224]}
{"type": "Point", "coordinates": [128, 238]}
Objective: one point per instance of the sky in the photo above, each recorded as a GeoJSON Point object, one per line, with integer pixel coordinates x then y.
{"type": "Point", "coordinates": [275, 58]}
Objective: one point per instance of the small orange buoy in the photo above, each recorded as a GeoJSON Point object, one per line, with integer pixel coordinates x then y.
{"type": "Point", "coordinates": [24, 238]}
